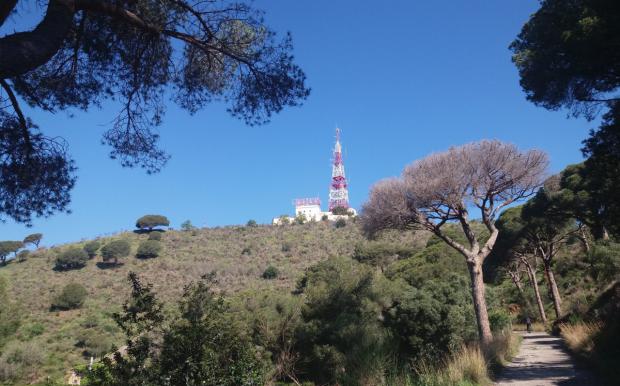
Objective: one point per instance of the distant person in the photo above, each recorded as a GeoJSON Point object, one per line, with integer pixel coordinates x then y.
{"type": "Point", "coordinates": [528, 323]}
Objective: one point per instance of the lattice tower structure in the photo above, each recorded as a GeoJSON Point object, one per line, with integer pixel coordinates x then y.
{"type": "Point", "coordinates": [338, 190]}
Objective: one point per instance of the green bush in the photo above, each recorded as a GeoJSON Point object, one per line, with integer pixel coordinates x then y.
{"type": "Point", "coordinates": [71, 258]}
{"type": "Point", "coordinates": [71, 297]}
{"type": "Point", "coordinates": [252, 223]}
{"type": "Point", "coordinates": [155, 236]}
{"type": "Point", "coordinates": [500, 320]}
{"type": "Point", "coordinates": [148, 249]}
{"type": "Point", "coordinates": [151, 221]}
{"type": "Point", "coordinates": [31, 330]}
{"type": "Point", "coordinates": [340, 223]}
{"type": "Point", "coordinates": [324, 217]}
{"type": "Point", "coordinates": [115, 250]}
{"type": "Point", "coordinates": [10, 315]}
{"type": "Point", "coordinates": [270, 272]}
{"type": "Point", "coordinates": [91, 248]}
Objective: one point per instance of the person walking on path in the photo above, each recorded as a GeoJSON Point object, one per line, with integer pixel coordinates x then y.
{"type": "Point", "coordinates": [528, 323]}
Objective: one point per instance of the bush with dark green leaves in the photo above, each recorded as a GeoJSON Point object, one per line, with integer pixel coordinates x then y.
{"type": "Point", "coordinates": [71, 297]}
{"type": "Point", "coordinates": [91, 248]}
{"type": "Point", "coordinates": [33, 239]}
{"type": "Point", "coordinates": [151, 221]}
{"type": "Point", "coordinates": [340, 328]}
{"type": "Point", "coordinates": [71, 258]}
{"type": "Point", "coordinates": [252, 223]}
{"type": "Point", "coordinates": [271, 272]}
{"type": "Point", "coordinates": [115, 250]}
{"type": "Point", "coordinates": [340, 223]}
{"type": "Point", "coordinates": [380, 253]}
{"type": "Point", "coordinates": [149, 249]}
{"type": "Point", "coordinates": [155, 236]}
{"type": "Point", "coordinates": [199, 345]}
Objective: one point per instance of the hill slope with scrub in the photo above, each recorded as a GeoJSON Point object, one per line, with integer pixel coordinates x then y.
{"type": "Point", "coordinates": [244, 259]}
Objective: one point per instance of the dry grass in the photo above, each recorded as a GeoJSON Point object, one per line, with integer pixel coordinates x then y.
{"type": "Point", "coordinates": [466, 367]}
{"type": "Point", "coordinates": [580, 336]}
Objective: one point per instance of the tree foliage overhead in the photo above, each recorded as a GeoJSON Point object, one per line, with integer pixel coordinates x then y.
{"type": "Point", "coordinates": [567, 54]}
{"type": "Point", "coordinates": [139, 53]}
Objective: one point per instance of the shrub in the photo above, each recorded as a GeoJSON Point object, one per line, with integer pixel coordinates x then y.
{"type": "Point", "coordinates": [20, 360]}
{"type": "Point", "coordinates": [287, 246]}
{"type": "Point", "coordinates": [31, 330]}
{"type": "Point", "coordinates": [340, 210]}
{"type": "Point", "coordinates": [500, 320]}
{"type": "Point", "coordinates": [34, 239]}
{"type": "Point", "coordinates": [91, 248]}
{"type": "Point", "coordinates": [115, 250]}
{"type": "Point", "coordinates": [340, 223]}
{"type": "Point", "coordinates": [270, 272]}
{"type": "Point", "coordinates": [252, 223]}
{"type": "Point", "coordinates": [284, 219]}
{"type": "Point", "coordinates": [71, 297]}
{"type": "Point", "coordinates": [324, 217]}
{"type": "Point", "coordinates": [155, 236]}
{"type": "Point", "coordinates": [71, 258]}
{"type": "Point", "coordinates": [300, 219]}
{"type": "Point", "coordinates": [22, 256]}
{"type": "Point", "coordinates": [148, 249]}
{"type": "Point", "coordinates": [151, 221]}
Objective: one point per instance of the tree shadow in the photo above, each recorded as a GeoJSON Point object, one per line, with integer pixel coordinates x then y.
{"type": "Point", "coordinates": [143, 231]}
{"type": "Point", "coordinates": [108, 265]}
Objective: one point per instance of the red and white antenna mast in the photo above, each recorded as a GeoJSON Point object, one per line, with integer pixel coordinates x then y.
{"type": "Point", "coordinates": [338, 192]}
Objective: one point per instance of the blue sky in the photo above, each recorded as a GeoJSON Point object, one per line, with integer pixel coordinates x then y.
{"type": "Point", "coordinates": [402, 79]}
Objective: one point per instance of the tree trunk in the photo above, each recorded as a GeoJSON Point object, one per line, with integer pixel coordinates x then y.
{"type": "Point", "coordinates": [555, 294]}
{"type": "Point", "coordinates": [480, 304]}
{"type": "Point", "coordinates": [541, 308]}
{"type": "Point", "coordinates": [517, 282]}
{"type": "Point", "coordinates": [584, 239]}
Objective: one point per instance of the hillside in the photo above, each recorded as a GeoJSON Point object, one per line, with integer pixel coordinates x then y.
{"type": "Point", "coordinates": [60, 340]}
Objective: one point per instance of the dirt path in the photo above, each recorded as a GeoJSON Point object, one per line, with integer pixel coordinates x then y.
{"type": "Point", "coordinates": [543, 361]}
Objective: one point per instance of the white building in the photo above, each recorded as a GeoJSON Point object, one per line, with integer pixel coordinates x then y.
{"type": "Point", "coordinates": [310, 210]}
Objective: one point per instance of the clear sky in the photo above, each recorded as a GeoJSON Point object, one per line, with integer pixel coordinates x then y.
{"type": "Point", "coordinates": [401, 79]}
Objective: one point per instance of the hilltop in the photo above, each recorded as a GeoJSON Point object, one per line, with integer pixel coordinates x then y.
{"type": "Point", "coordinates": [239, 255]}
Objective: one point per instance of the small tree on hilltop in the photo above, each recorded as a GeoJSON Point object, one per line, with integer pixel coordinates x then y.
{"type": "Point", "coordinates": [91, 248]}
{"type": "Point", "coordinates": [187, 226]}
{"type": "Point", "coordinates": [444, 187]}
{"type": "Point", "coordinates": [34, 239]}
{"type": "Point", "coordinates": [71, 258]}
{"type": "Point", "coordinates": [115, 250]}
{"type": "Point", "coordinates": [8, 247]}
{"type": "Point", "coordinates": [151, 221]}
{"type": "Point", "coordinates": [251, 223]}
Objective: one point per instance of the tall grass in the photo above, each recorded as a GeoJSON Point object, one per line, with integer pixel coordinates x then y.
{"type": "Point", "coordinates": [467, 366]}
{"type": "Point", "coordinates": [580, 336]}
